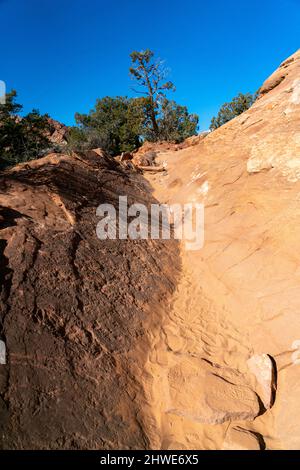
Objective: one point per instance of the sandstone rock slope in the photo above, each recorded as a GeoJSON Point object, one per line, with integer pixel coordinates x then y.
{"type": "Point", "coordinates": [228, 351]}
{"type": "Point", "coordinates": [74, 309]}
{"type": "Point", "coordinates": [131, 344]}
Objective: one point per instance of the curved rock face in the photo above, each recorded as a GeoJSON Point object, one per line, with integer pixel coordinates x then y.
{"type": "Point", "coordinates": [235, 313]}
{"type": "Point", "coordinates": [118, 344]}
{"type": "Point", "coordinates": [74, 309]}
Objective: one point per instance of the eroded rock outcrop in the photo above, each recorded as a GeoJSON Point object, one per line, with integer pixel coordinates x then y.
{"type": "Point", "coordinates": [107, 346]}
{"type": "Point", "coordinates": [58, 132]}
{"type": "Point", "coordinates": [74, 309]}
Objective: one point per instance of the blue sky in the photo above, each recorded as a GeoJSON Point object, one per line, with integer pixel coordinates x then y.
{"type": "Point", "coordinates": [60, 55]}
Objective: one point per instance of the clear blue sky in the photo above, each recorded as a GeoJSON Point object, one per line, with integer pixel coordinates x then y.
{"type": "Point", "coordinates": [60, 55]}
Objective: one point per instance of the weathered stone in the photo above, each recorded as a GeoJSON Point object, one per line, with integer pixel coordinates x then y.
{"type": "Point", "coordinates": [198, 393]}
{"type": "Point", "coordinates": [263, 369]}
{"type": "Point", "coordinates": [238, 438]}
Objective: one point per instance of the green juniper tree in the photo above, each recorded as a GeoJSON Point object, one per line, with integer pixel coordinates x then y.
{"type": "Point", "coordinates": [163, 119]}
{"type": "Point", "coordinates": [150, 76]}
{"type": "Point", "coordinates": [114, 124]}
{"type": "Point", "coordinates": [21, 138]}
{"type": "Point", "coordinates": [228, 111]}
{"type": "Point", "coordinates": [120, 124]}
{"type": "Point", "coordinates": [175, 123]}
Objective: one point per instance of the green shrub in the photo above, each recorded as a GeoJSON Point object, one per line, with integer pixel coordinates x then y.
{"type": "Point", "coordinates": [21, 139]}
{"type": "Point", "coordinates": [230, 110]}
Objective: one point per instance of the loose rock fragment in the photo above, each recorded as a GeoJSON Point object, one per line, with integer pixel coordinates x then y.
{"type": "Point", "coordinates": [263, 369]}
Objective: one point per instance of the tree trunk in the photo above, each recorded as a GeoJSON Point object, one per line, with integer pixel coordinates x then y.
{"type": "Point", "coordinates": [154, 122]}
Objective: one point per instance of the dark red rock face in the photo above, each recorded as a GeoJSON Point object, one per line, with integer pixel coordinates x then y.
{"type": "Point", "coordinates": [74, 309]}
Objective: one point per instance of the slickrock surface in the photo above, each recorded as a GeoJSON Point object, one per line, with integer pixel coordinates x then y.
{"type": "Point", "coordinates": [226, 359]}
{"type": "Point", "coordinates": [122, 344]}
{"type": "Point", "coordinates": [74, 309]}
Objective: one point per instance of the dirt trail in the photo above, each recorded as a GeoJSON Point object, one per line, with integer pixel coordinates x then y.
{"type": "Point", "coordinates": [199, 386]}
{"type": "Point", "coordinates": [224, 367]}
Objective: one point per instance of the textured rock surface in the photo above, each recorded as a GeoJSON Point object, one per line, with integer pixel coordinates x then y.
{"type": "Point", "coordinates": [262, 366]}
{"type": "Point", "coordinates": [238, 438]}
{"type": "Point", "coordinates": [239, 296]}
{"type": "Point", "coordinates": [73, 308]}
{"type": "Point", "coordinates": [206, 397]}
{"type": "Point", "coordinates": [145, 159]}
{"type": "Point", "coordinates": [58, 132]}
{"type": "Point", "coordinates": [103, 351]}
